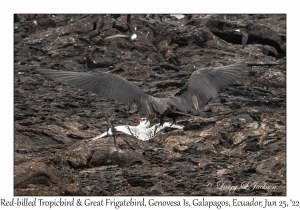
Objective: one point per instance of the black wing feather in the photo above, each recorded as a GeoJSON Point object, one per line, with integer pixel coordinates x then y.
{"type": "Point", "coordinates": [206, 82]}
{"type": "Point", "coordinates": [106, 85]}
{"type": "Point", "coordinates": [203, 84]}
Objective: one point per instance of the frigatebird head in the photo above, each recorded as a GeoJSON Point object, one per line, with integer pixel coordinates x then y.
{"type": "Point", "coordinates": [153, 115]}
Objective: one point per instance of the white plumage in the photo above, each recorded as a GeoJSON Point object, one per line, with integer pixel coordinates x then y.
{"type": "Point", "coordinates": [143, 131]}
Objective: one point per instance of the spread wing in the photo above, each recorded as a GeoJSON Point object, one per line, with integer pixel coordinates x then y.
{"type": "Point", "coordinates": [109, 86]}
{"type": "Point", "coordinates": [202, 85]}
{"type": "Point", "coordinates": [206, 82]}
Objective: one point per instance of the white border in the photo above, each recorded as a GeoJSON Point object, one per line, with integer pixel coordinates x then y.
{"type": "Point", "coordinates": [151, 6]}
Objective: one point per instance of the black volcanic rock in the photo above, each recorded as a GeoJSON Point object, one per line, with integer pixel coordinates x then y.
{"type": "Point", "coordinates": [238, 137]}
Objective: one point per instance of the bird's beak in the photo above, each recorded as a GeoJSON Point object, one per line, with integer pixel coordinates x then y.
{"type": "Point", "coordinates": [138, 119]}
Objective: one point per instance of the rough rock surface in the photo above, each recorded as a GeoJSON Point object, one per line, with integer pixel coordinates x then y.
{"type": "Point", "coordinates": [238, 138]}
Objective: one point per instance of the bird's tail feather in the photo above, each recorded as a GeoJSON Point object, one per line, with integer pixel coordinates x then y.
{"type": "Point", "coordinates": [100, 136]}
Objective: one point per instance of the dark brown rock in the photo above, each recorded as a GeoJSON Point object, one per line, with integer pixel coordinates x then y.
{"type": "Point", "coordinates": [239, 137]}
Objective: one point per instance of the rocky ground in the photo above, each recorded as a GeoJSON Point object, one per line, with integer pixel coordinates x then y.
{"type": "Point", "coordinates": [238, 138]}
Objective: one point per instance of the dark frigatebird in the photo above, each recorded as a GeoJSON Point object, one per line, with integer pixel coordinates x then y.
{"type": "Point", "coordinates": [202, 85]}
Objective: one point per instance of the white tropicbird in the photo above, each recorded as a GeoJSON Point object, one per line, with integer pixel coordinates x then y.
{"type": "Point", "coordinates": [143, 131]}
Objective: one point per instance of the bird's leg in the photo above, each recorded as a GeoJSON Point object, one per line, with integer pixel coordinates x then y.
{"type": "Point", "coordinates": [173, 121]}
{"type": "Point", "coordinates": [116, 145]}
{"type": "Point", "coordinates": [161, 120]}
{"type": "Point", "coordinates": [155, 130]}
{"type": "Point", "coordinates": [114, 132]}
{"type": "Point", "coordinates": [147, 119]}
